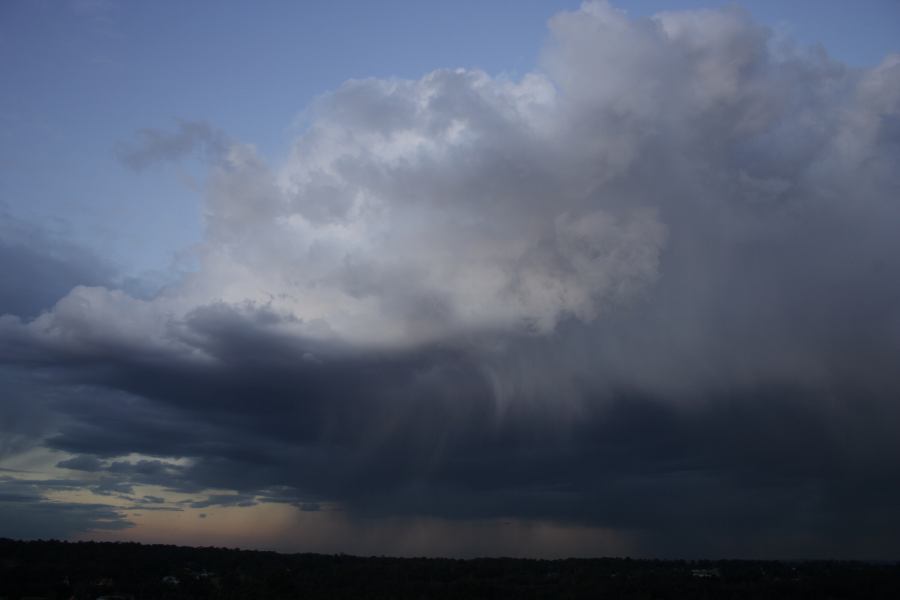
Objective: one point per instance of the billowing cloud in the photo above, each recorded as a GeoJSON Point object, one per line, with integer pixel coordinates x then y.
{"type": "Point", "coordinates": [647, 288]}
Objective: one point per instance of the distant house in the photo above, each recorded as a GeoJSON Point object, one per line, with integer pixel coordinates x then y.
{"type": "Point", "coordinates": [201, 574]}
{"type": "Point", "coordinates": [706, 573]}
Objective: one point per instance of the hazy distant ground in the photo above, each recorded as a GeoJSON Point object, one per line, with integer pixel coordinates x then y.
{"type": "Point", "coordinates": [51, 569]}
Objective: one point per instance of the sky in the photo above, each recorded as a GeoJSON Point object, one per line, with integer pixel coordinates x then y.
{"type": "Point", "coordinates": [454, 279]}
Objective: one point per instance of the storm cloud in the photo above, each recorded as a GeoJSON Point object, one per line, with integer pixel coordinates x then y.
{"type": "Point", "coordinates": [649, 287]}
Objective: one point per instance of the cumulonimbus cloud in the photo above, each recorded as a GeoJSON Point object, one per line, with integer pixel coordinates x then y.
{"type": "Point", "coordinates": [447, 273]}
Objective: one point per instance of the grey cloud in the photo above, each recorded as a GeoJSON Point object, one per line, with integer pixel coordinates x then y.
{"type": "Point", "coordinates": [154, 508]}
{"type": "Point", "coordinates": [27, 410]}
{"type": "Point", "coordinates": [40, 268]}
{"type": "Point", "coordinates": [81, 463]}
{"type": "Point", "coordinates": [746, 466]}
{"type": "Point", "coordinates": [58, 520]}
{"type": "Point", "coordinates": [647, 288]}
{"type": "Point", "coordinates": [225, 500]}
{"type": "Point", "coordinates": [27, 514]}
{"type": "Point", "coordinates": [105, 486]}
{"type": "Point", "coordinates": [152, 146]}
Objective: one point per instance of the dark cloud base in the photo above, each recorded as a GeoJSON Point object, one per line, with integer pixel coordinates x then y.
{"type": "Point", "coordinates": [777, 470]}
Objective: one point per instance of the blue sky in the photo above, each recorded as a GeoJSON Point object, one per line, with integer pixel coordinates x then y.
{"type": "Point", "coordinates": [82, 77]}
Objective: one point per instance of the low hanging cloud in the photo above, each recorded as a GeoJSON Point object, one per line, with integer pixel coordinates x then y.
{"type": "Point", "coordinates": [649, 287]}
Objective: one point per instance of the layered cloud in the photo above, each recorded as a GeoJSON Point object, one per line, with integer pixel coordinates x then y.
{"type": "Point", "coordinates": [649, 287]}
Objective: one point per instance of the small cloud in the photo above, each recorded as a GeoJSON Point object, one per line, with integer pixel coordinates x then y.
{"type": "Point", "coordinates": [241, 500]}
{"type": "Point", "coordinates": [85, 462]}
{"type": "Point", "coordinates": [155, 145]}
